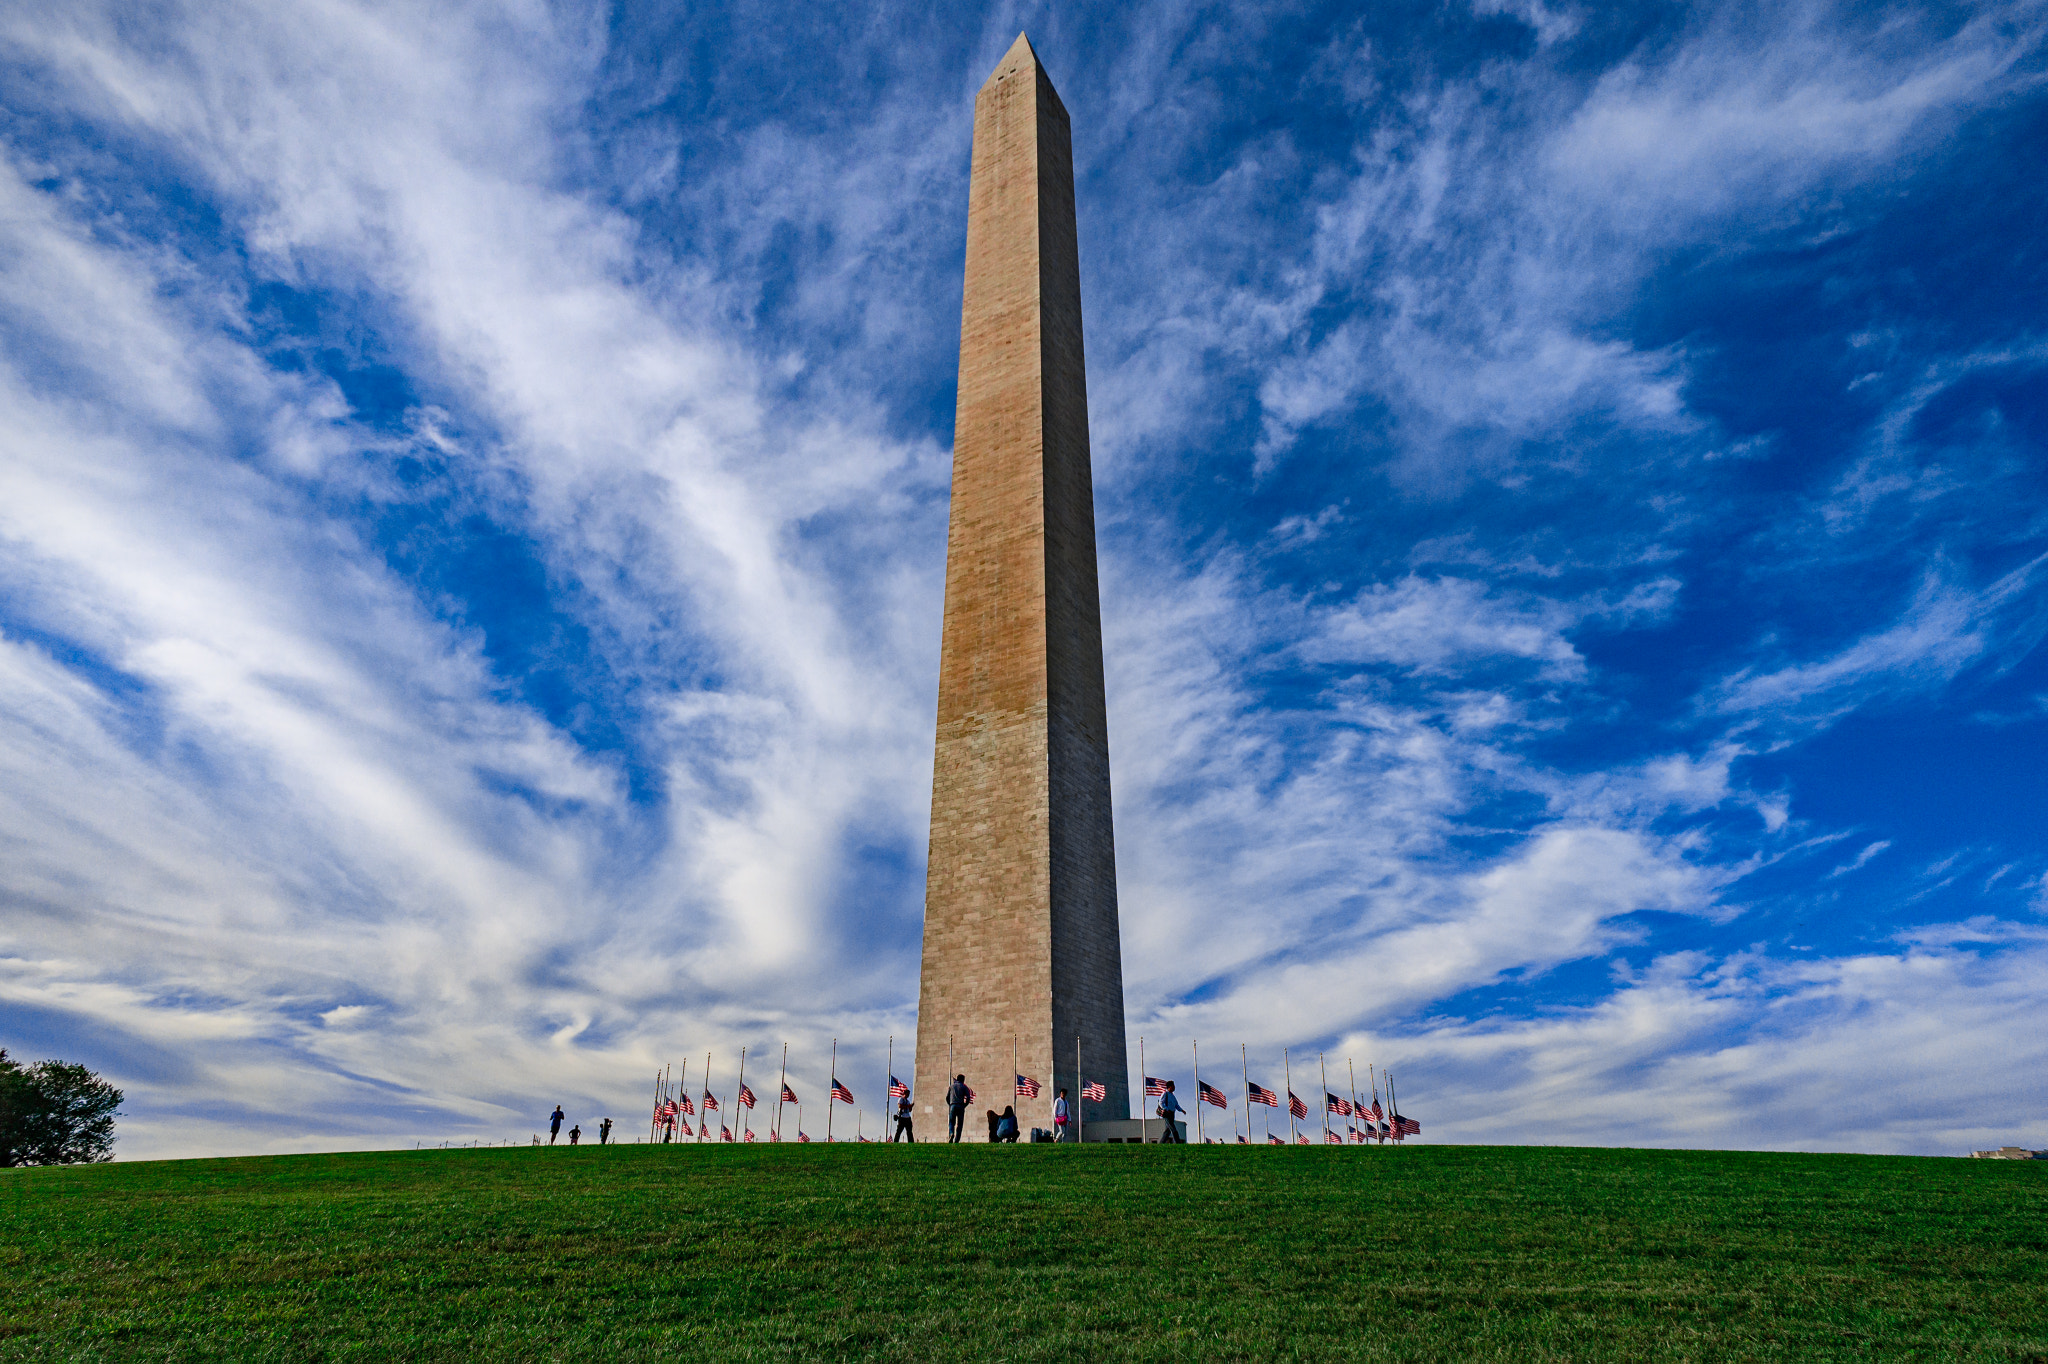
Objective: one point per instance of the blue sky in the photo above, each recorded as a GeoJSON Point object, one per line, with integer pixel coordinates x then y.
{"type": "Point", "coordinates": [1571, 487]}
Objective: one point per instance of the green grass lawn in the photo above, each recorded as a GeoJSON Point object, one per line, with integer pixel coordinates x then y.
{"type": "Point", "coordinates": [1449, 1252]}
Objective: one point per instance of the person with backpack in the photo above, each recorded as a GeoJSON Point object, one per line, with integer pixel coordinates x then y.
{"type": "Point", "coordinates": [958, 1096]}
{"type": "Point", "coordinates": [903, 1130]}
{"type": "Point", "coordinates": [1169, 1104]}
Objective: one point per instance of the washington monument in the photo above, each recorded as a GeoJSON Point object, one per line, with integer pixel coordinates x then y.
{"type": "Point", "coordinates": [1020, 930]}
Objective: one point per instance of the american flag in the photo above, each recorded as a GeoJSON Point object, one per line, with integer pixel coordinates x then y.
{"type": "Point", "coordinates": [724, 1132]}
{"type": "Point", "coordinates": [684, 1123]}
{"type": "Point", "coordinates": [841, 1093]}
{"type": "Point", "coordinates": [1095, 1093]}
{"type": "Point", "coordinates": [710, 1102]}
{"type": "Point", "coordinates": [897, 1089]}
{"type": "Point", "coordinates": [789, 1096]}
{"type": "Point", "coordinates": [1209, 1094]}
{"type": "Point", "coordinates": [1154, 1085]}
{"type": "Point", "coordinates": [1337, 1104]}
{"type": "Point", "coordinates": [774, 1135]}
{"type": "Point", "coordinates": [1027, 1087]}
{"type": "Point", "coordinates": [1259, 1094]}
{"type": "Point", "coordinates": [971, 1096]}
{"type": "Point", "coordinates": [1301, 1139]}
{"type": "Point", "coordinates": [684, 1100]}
{"type": "Point", "coordinates": [800, 1135]}
{"type": "Point", "coordinates": [665, 1112]}
{"type": "Point", "coordinates": [746, 1096]}
{"type": "Point", "coordinates": [1406, 1127]}
{"type": "Point", "coordinates": [1333, 1138]}
{"type": "Point", "coordinates": [1295, 1105]}
{"type": "Point", "coordinates": [750, 1134]}
{"type": "Point", "coordinates": [1376, 1109]}
{"type": "Point", "coordinates": [1272, 1140]}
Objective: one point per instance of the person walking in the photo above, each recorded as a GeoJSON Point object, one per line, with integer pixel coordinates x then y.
{"type": "Point", "coordinates": [958, 1096]}
{"type": "Point", "coordinates": [555, 1125]}
{"type": "Point", "coordinates": [1061, 1118]}
{"type": "Point", "coordinates": [574, 1133]}
{"type": "Point", "coordinates": [604, 1133]}
{"type": "Point", "coordinates": [903, 1130]}
{"type": "Point", "coordinates": [1169, 1104]}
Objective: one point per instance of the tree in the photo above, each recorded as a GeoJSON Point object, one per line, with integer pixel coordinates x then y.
{"type": "Point", "coordinates": [54, 1113]}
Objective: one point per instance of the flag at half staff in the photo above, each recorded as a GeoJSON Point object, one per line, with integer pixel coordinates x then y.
{"type": "Point", "coordinates": [1301, 1139]}
{"type": "Point", "coordinates": [1407, 1127]}
{"type": "Point", "coordinates": [1094, 1093]}
{"type": "Point", "coordinates": [841, 1093]}
{"type": "Point", "coordinates": [1209, 1094]}
{"type": "Point", "coordinates": [750, 1134]}
{"type": "Point", "coordinates": [1154, 1085]}
{"type": "Point", "coordinates": [1295, 1105]}
{"type": "Point", "coordinates": [684, 1100]}
{"type": "Point", "coordinates": [746, 1096]}
{"type": "Point", "coordinates": [897, 1089]}
{"type": "Point", "coordinates": [1027, 1087]}
{"type": "Point", "coordinates": [1337, 1104]}
{"type": "Point", "coordinates": [1333, 1139]}
{"type": "Point", "coordinates": [684, 1123]}
{"type": "Point", "coordinates": [710, 1102]}
{"type": "Point", "coordinates": [1272, 1140]}
{"type": "Point", "coordinates": [789, 1096]}
{"type": "Point", "coordinates": [1259, 1094]}
{"type": "Point", "coordinates": [801, 1135]}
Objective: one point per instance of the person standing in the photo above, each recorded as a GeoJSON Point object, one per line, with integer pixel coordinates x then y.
{"type": "Point", "coordinates": [574, 1134]}
{"type": "Point", "coordinates": [604, 1133]}
{"type": "Point", "coordinates": [1061, 1118]}
{"type": "Point", "coordinates": [903, 1130]}
{"type": "Point", "coordinates": [555, 1125]}
{"type": "Point", "coordinates": [1169, 1104]}
{"type": "Point", "coordinates": [958, 1096]}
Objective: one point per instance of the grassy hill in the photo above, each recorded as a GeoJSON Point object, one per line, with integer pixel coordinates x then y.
{"type": "Point", "coordinates": [1028, 1252]}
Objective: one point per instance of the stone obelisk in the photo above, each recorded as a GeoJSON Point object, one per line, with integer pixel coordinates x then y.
{"type": "Point", "coordinates": [1021, 950]}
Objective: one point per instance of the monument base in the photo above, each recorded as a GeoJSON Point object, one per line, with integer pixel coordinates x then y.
{"type": "Point", "coordinates": [1130, 1130]}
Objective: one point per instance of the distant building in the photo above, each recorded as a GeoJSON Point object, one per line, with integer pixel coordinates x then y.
{"type": "Point", "coordinates": [2009, 1153]}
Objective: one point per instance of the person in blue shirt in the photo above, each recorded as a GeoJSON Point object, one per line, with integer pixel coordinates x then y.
{"type": "Point", "coordinates": [1169, 1105]}
{"type": "Point", "coordinates": [555, 1125]}
{"type": "Point", "coordinates": [1006, 1125]}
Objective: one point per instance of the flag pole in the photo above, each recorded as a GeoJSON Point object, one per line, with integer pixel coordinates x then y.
{"type": "Point", "coordinates": [1198, 1093]}
{"type": "Point", "coordinates": [1394, 1111]}
{"type": "Point", "coordinates": [676, 1092]}
{"type": "Point", "coordinates": [889, 1108]}
{"type": "Point", "coordinates": [1323, 1071]}
{"type": "Point", "coordinates": [1144, 1084]}
{"type": "Point", "coordinates": [746, 1118]}
{"type": "Point", "coordinates": [652, 1121]}
{"type": "Point", "coordinates": [781, 1088]}
{"type": "Point", "coordinates": [1378, 1134]}
{"type": "Point", "coordinates": [1287, 1072]}
{"type": "Point", "coordinates": [1246, 1063]}
{"type": "Point", "coordinates": [1013, 1074]}
{"type": "Point", "coordinates": [1079, 1131]}
{"type": "Point", "coordinates": [707, 1090]}
{"type": "Point", "coordinates": [832, 1093]}
{"type": "Point", "coordinates": [1352, 1071]}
